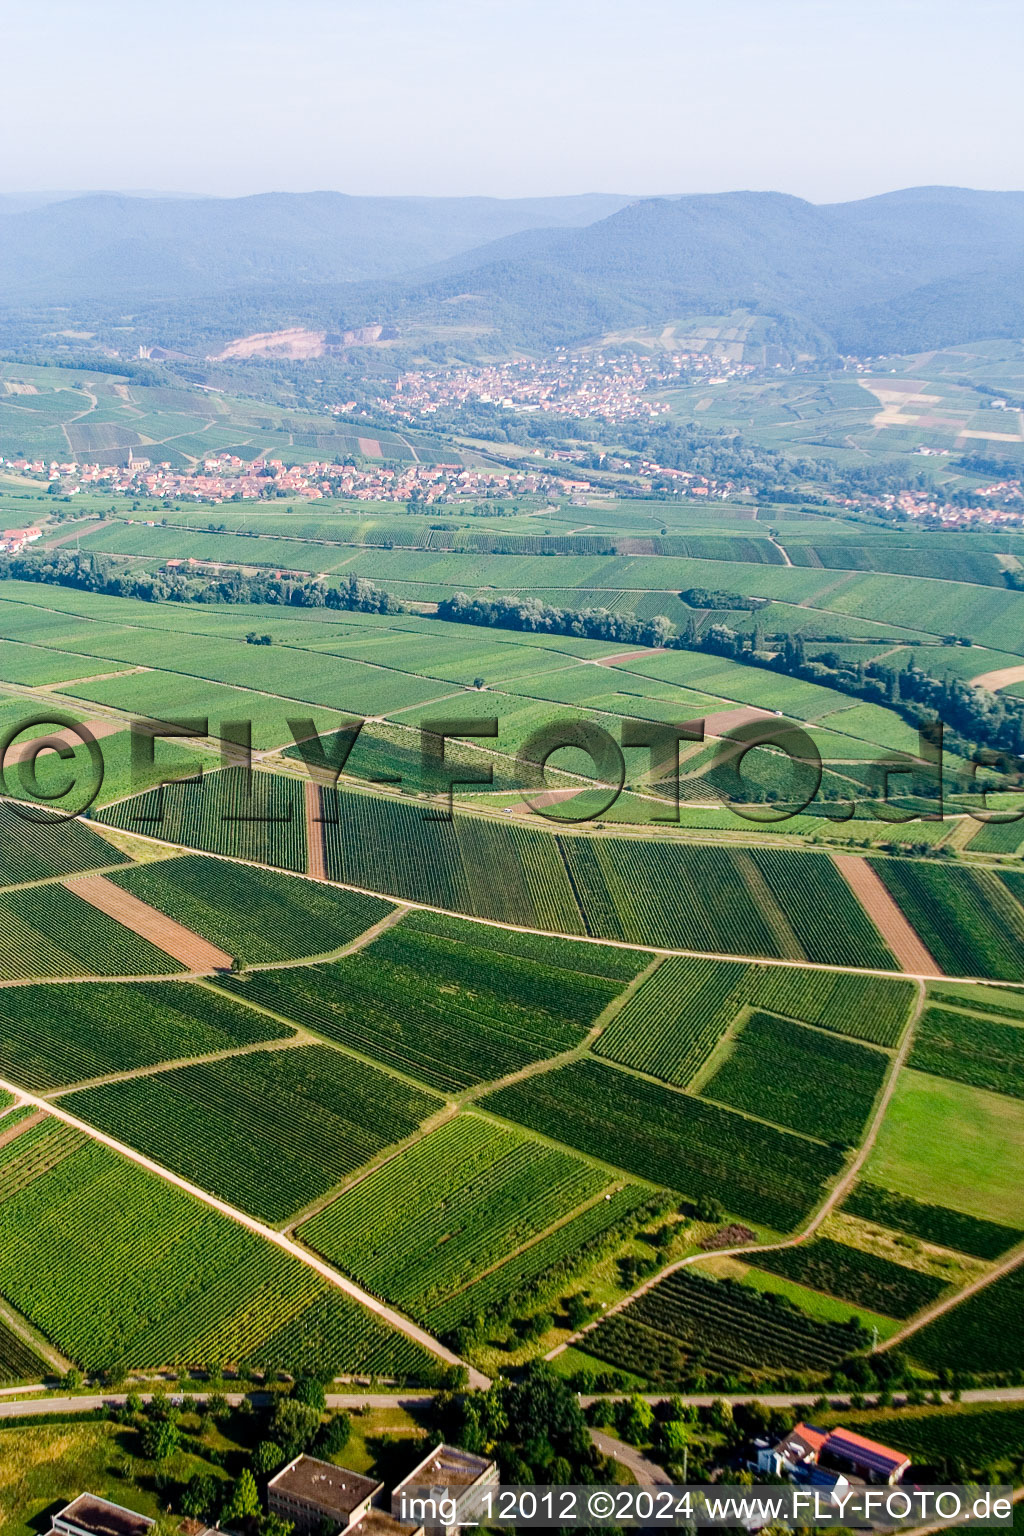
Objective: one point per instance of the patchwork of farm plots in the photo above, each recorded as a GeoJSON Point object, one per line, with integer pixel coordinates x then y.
{"type": "Point", "coordinates": [448, 1011]}
{"type": "Point", "coordinates": [671, 1025]}
{"type": "Point", "coordinates": [46, 930]}
{"type": "Point", "coordinates": [432, 1221]}
{"type": "Point", "coordinates": [52, 1036]}
{"type": "Point", "coordinates": [579, 1088]}
{"type": "Point", "coordinates": [119, 1269]}
{"type": "Point", "coordinates": [755, 901]}
{"type": "Point", "coordinates": [759, 1172]}
{"type": "Point", "coordinates": [269, 1131]}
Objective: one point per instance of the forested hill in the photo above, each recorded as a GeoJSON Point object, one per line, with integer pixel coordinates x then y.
{"type": "Point", "coordinates": [940, 257]}
{"type": "Point", "coordinates": [110, 247]}
{"type": "Point", "coordinates": [925, 267]}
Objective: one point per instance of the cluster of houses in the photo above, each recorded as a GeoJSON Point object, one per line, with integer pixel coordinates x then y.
{"type": "Point", "coordinates": [227, 476]}
{"type": "Point", "coordinates": [13, 540]}
{"type": "Point", "coordinates": [316, 1496]}
{"type": "Point", "coordinates": [829, 1458]}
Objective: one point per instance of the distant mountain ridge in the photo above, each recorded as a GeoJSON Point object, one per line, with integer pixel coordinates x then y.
{"type": "Point", "coordinates": [109, 248]}
{"type": "Point", "coordinates": [923, 267]}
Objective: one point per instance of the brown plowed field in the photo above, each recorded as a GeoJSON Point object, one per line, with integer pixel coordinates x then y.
{"type": "Point", "coordinates": [23, 1125]}
{"type": "Point", "coordinates": [174, 939]}
{"type": "Point", "coordinates": [315, 864]}
{"type": "Point", "coordinates": [886, 916]}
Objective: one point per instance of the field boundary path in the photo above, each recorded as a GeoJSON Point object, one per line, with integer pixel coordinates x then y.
{"type": "Point", "coordinates": [1012, 1261]}
{"type": "Point", "coordinates": [181, 943]}
{"type": "Point", "coordinates": [1001, 677]}
{"type": "Point", "coordinates": [396, 1320]}
{"type": "Point", "coordinates": [931, 973]}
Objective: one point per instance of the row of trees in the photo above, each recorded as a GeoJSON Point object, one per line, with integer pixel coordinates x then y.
{"type": "Point", "coordinates": [87, 572]}
{"type": "Point", "coordinates": [536, 617]}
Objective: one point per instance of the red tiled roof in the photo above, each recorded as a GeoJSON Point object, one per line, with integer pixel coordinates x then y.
{"type": "Point", "coordinates": [815, 1438]}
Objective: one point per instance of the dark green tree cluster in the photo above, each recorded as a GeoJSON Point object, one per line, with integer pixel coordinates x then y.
{"type": "Point", "coordinates": [534, 1427]}
{"type": "Point", "coordinates": [87, 572]}
{"type": "Point", "coordinates": [536, 617]}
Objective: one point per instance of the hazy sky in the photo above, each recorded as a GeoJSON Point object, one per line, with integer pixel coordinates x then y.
{"type": "Point", "coordinates": [829, 99]}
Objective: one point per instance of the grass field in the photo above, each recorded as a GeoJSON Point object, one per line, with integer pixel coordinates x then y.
{"type": "Point", "coordinates": [949, 1144]}
{"type": "Point", "coordinates": [865, 1279]}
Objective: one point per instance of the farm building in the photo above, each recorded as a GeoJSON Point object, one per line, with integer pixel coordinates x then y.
{"type": "Point", "coordinates": [866, 1458]}
{"type": "Point", "coordinates": [89, 1515]}
{"type": "Point", "coordinates": [838, 1451]}
{"type": "Point", "coordinates": [444, 1471]}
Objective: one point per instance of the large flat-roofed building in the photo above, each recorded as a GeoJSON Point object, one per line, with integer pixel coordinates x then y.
{"type": "Point", "coordinates": [377, 1522]}
{"type": "Point", "coordinates": [312, 1494]}
{"type": "Point", "coordinates": [89, 1515]}
{"type": "Point", "coordinates": [444, 1469]}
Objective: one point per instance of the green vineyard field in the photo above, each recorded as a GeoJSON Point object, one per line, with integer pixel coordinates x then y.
{"type": "Point", "coordinates": [46, 930]}
{"type": "Point", "coordinates": [430, 1221]}
{"type": "Point", "coordinates": [865, 1279]}
{"type": "Point", "coordinates": [983, 1052]}
{"type": "Point", "coordinates": [51, 1036]}
{"type": "Point", "coordinates": [218, 814]}
{"type": "Point", "coordinates": [671, 1024]}
{"type": "Point", "coordinates": [801, 1078]}
{"type": "Point", "coordinates": [966, 917]}
{"type": "Point", "coordinates": [982, 1334]}
{"type": "Point", "coordinates": [689, 1323]}
{"type": "Point", "coordinates": [931, 1223]}
{"type": "Point", "coordinates": [541, 1264]}
{"type": "Point", "coordinates": [119, 1269]}
{"type": "Point", "coordinates": [37, 849]}
{"type": "Point", "coordinates": [257, 915]}
{"type": "Point", "coordinates": [18, 1362]}
{"type": "Point", "coordinates": [443, 1012]}
{"type": "Point", "coordinates": [268, 1132]}
{"type": "Point", "coordinates": [756, 1171]}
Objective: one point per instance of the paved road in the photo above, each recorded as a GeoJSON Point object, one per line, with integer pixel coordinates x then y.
{"type": "Point", "coordinates": [647, 1473]}
{"type": "Point", "coordinates": [87, 1402]}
